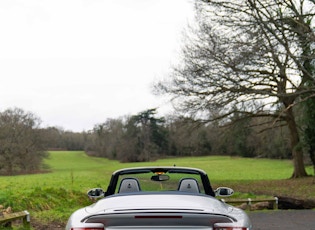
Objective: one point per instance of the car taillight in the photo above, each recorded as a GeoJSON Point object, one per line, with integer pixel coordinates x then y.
{"type": "Point", "coordinates": [229, 228]}
{"type": "Point", "coordinates": [226, 227]}
{"type": "Point", "coordinates": [87, 228]}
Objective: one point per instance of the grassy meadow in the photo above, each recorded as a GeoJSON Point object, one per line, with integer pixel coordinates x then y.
{"type": "Point", "coordinates": [54, 195]}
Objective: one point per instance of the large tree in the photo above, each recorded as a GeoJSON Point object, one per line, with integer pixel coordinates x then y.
{"type": "Point", "coordinates": [21, 144]}
{"type": "Point", "coordinates": [248, 57]}
{"type": "Point", "coordinates": [151, 135]}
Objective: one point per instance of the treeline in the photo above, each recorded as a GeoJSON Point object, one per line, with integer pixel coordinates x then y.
{"type": "Point", "coordinates": [141, 137]}
{"type": "Point", "coordinates": [146, 137]}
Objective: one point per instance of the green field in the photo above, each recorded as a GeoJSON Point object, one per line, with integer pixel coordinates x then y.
{"type": "Point", "coordinates": [54, 195]}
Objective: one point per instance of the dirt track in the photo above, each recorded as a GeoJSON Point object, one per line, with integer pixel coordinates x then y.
{"type": "Point", "coordinates": [283, 219]}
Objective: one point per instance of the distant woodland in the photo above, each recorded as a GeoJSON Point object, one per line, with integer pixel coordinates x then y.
{"type": "Point", "coordinates": [141, 137]}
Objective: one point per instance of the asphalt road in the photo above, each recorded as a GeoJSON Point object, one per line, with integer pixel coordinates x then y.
{"type": "Point", "coordinates": [283, 219]}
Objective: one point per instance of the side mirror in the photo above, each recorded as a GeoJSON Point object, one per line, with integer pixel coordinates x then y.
{"type": "Point", "coordinates": [95, 193]}
{"type": "Point", "coordinates": [224, 191]}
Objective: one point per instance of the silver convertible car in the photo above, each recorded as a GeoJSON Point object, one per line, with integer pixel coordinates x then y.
{"type": "Point", "coordinates": [156, 198]}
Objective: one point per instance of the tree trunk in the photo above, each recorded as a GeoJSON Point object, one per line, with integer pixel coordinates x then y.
{"type": "Point", "coordinates": [298, 162]}
{"type": "Point", "coordinates": [297, 153]}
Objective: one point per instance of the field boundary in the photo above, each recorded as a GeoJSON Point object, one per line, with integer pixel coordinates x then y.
{"type": "Point", "coordinates": [254, 204]}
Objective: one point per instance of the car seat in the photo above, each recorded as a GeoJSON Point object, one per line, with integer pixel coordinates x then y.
{"type": "Point", "coordinates": [188, 185]}
{"type": "Point", "coordinates": [129, 185]}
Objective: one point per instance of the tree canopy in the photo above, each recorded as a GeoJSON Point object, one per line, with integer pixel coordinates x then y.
{"type": "Point", "coordinates": [21, 146]}
{"type": "Point", "coordinates": [250, 57]}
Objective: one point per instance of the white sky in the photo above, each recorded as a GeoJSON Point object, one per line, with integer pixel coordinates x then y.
{"type": "Point", "coordinates": [75, 63]}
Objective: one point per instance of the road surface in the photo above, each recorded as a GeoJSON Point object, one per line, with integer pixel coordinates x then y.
{"type": "Point", "coordinates": [283, 219]}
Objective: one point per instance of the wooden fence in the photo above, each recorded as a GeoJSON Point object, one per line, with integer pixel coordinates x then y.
{"type": "Point", "coordinates": [6, 219]}
{"type": "Point", "coordinates": [254, 204]}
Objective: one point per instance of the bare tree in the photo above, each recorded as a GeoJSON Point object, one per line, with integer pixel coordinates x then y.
{"type": "Point", "coordinates": [107, 137]}
{"type": "Point", "coordinates": [248, 57]}
{"type": "Point", "coordinates": [187, 138]}
{"type": "Point", "coordinates": [21, 146]}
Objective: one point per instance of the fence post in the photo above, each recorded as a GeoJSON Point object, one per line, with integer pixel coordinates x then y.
{"type": "Point", "coordinates": [249, 204]}
{"type": "Point", "coordinates": [275, 204]}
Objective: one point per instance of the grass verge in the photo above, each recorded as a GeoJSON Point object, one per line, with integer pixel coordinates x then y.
{"type": "Point", "coordinates": [53, 196]}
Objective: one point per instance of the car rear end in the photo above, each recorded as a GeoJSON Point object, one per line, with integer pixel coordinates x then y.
{"type": "Point", "coordinates": [158, 221]}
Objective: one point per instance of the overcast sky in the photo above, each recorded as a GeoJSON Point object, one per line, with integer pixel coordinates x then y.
{"type": "Point", "coordinates": [76, 63]}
